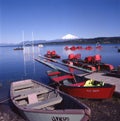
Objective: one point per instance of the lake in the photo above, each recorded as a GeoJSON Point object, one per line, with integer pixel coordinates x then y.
{"type": "Point", "coordinates": [20, 64]}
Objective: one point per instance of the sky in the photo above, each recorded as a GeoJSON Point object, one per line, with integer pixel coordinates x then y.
{"type": "Point", "coordinates": [53, 19]}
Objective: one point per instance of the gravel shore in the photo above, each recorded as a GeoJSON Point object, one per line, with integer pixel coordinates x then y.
{"type": "Point", "coordinates": [101, 110]}
{"type": "Point", "coordinates": [104, 110]}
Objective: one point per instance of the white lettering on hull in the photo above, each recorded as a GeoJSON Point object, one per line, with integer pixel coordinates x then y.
{"type": "Point", "coordinates": [92, 90]}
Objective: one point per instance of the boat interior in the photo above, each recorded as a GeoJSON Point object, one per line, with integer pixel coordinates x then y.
{"type": "Point", "coordinates": [29, 95]}
{"type": "Point", "coordinates": [34, 96]}
{"type": "Point", "coordinates": [71, 80]}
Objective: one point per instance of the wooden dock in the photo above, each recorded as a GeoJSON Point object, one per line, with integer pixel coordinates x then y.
{"type": "Point", "coordinates": [99, 76]}
{"type": "Point", "coordinates": [107, 79]}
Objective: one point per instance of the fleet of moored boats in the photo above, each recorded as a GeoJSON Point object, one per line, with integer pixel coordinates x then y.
{"type": "Point", "coordinates": [39, 102]}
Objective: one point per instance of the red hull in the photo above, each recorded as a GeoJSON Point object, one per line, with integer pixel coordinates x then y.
{"type": "Point", "coordinates": [81, 87]}
{"type": "Point", "coordinates": [52, 56]}
{"type": "Point", "coordinates": [89, 92]}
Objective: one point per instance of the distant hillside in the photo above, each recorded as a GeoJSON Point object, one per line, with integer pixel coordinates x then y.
{"type": "Point", "coordinates": [102, 40]}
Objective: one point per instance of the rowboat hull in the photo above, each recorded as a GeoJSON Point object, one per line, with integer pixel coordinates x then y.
{"type": "Point", "coordinates": [37, 116]}
{"type": "Point", "coordinates": [19, 48]}
{"type": "Point", "coordinates": [65, 109]}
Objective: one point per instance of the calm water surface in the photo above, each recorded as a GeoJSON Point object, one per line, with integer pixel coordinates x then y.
{"type": "Point", "coordinates": [17, 65]}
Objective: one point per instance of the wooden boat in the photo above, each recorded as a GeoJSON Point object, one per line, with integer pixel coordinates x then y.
{"type": "Point", "coordinates": [92, 63]}
{"type": "Point", "coordinates": [51, 54]}
{"type": "Point", "coordinates": [80, 86]}
{"type": "Point", "coordinates": [39, 102]}
{"type": "Point", "coordinates": [18, 48]}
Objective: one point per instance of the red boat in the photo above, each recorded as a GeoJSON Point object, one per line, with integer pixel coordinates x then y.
{"type": "Point", "coordinates": [88, 48]}
{"type": "Point", "coordinates": [79, 47]}
{"type": "Point", "coordinates": [91, 62]}
{"type": "Point", "coordinates": [51, 54]}
{"type": "Point", "coordinates": [114, 72]}
{"type": "Point", "coordinates": [73, 48]}
{"type": "Point", "coordinates": [66, 48]}
{"type": "Point", "coordinates": [81, 87]}
{"type": "Point", "coordinates": [99, 47]}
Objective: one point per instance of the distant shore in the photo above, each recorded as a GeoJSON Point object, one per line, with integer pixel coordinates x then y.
{"type": "Point", "coordinates": [101, 40]}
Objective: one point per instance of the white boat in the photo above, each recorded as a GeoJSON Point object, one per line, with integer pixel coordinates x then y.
{"type": "Point", "coordinates": [40, 45]}
{"type": "Point", "coordinates": [39, 102]}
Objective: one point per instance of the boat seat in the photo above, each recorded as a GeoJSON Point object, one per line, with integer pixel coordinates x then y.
{"type": "Point", "coordinates": [25, 94]}
{"type": "Point", "coordinates": [46, 103]}
{"type": "Point", "coordinates": [22, 102]}
{"type": "Point", "coordinates": [31, 90]}
{"type": "Point", "coordinates": [53, 73]}
{"type": "Point", "coordinates": [32, 98]}
{"type": "Point", "coordinates": [23, 82]}
{"type": "Point", "coordinates": [67, 82]}
{"type": "Point", "coordinates": [25, 86]}
{"type": "Point", "coordinates": [61, 78]}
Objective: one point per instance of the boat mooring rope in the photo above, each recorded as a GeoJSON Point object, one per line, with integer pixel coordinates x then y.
{"type": "Point", "coordinates": [4, 100]}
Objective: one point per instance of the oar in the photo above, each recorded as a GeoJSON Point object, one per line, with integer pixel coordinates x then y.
{"type": "Point", "coordinates": [56, 61]}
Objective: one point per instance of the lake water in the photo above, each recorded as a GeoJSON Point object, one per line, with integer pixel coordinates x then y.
{"type": "Point", "coordinates": [18, 65]}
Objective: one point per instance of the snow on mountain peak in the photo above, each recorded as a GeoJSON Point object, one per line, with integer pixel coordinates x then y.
{"type": "Point", "coordinates": [69, 36]}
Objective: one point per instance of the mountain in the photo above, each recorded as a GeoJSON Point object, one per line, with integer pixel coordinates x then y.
{"type": "Point", "coordinates": [101, 40]}
{"type": "Point", "coordinates": [69, 36]}
{"type": "Point", "coordinates": [69, 39]}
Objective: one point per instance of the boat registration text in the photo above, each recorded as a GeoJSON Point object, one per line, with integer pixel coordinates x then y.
{"type": "Point", "coordinates": [60, 118]}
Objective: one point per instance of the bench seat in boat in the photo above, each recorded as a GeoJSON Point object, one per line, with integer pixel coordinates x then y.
{"type": "Point", "coordinates": [45, 103]}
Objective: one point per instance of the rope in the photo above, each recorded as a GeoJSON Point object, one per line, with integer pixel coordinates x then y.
{"type": "Point", "coordinates": [2, 101]}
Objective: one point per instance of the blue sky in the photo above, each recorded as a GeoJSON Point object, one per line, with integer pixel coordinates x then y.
{"type": "Point", "coordinates": [52, 19]}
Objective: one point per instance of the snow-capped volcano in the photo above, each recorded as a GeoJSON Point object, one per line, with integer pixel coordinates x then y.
{"type": "Point", "coordinates": [69, 36]}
